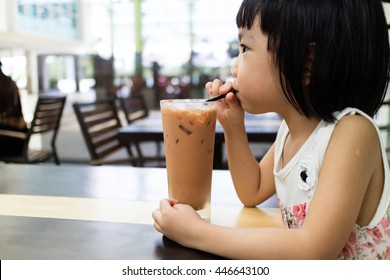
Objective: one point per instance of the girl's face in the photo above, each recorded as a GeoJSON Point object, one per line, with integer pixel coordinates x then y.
{"type": "Point", "coordinates": [256, 77]}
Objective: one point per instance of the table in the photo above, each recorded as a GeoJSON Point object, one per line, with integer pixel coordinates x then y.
{"type": "Point", "coordinates": [101, 213]}
{"type": "Point", "coordinates": [259, 128]}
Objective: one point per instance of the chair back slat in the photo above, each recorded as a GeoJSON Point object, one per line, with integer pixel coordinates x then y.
{"type": "Point", "coordinates": [104, 129]}
{"type": "Point", "coordinates": [99, 123]}
{"type": "Point", "coordinates": [107, 147]}
{"type": "Point", "coordinates": [47, 118]}
{"type": "Point", "coordinates": [134, 108]}
{"type": "Point", "coordinates": [47, 115]}
{"type": "Point", "coordinates": [101, 120]}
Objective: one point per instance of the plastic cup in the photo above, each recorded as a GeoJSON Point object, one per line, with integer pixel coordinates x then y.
{"type": "Point", "coordinates": [189, 136]}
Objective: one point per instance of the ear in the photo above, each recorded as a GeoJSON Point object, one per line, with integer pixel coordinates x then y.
{"type": "Point", "coordinates": [308, 64]}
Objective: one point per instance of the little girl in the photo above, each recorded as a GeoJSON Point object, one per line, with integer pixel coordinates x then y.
{"type": "Point", "coordinates": [323, 66]}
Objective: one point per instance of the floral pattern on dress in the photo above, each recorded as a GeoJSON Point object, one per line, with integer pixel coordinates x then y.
{"type": "Point", "coordinates": [365, 243]}
{"type": "Point", "coordinates": [293, 217]}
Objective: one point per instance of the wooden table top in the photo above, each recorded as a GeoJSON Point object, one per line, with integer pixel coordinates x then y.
{"type": "Point", "coordinates": [85, 212]}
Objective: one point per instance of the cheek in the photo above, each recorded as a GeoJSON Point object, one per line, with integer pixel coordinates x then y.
{"type": "Point", "coordinates": [258, 95]}
{"type": "Point", "coordinates": [257, 85]}
{"type": "Point", "coordinates": [250, 97]}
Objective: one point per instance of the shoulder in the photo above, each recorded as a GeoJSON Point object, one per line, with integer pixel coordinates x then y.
{"type": "Point", "coordinates": [357, 134]}
{"type": "Point", "coordinates": [352, 125]}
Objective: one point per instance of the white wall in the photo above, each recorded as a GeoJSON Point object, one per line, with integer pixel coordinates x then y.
{"type": "Point", "coordinates": [3, 16]}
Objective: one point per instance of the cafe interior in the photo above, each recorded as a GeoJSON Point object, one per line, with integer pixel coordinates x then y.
{"type": "Point", "coordinates": [90, 76]}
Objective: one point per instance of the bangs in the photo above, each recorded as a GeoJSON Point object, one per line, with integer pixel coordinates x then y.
{"type": "Point", "coordinates": [269, 14]}
{"type": "Point", "coordinates": [247, 14]}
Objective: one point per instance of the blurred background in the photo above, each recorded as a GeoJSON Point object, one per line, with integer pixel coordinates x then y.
{"type": "Point", "coordinates": [116, 46]}
{"type": "Point", "coordinates": [93, 49]}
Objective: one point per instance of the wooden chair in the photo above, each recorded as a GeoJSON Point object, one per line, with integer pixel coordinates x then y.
{"type": "Point", "coordinates": [135, 108]}
{"type": "Point", "coordinates": [99, 123]}
{"type": "Point", "coordinates": [47, 117]}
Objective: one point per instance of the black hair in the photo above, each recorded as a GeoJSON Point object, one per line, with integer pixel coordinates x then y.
{"type": "Point", "coordinates": [348, 40]}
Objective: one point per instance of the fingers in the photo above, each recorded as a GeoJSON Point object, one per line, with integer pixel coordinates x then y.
{"type": "Point", "coordinates": [157, 227]}
{"type": "Point", "coordinates": [208, 87]}
{"type": "Point", "coordinates": [173, 201]}
{"type": "Point", "coordinates": [173, 217]}
{"type": "Point", "coordinates": [213, 87]}
{"type": "Point", "coordinates": [216, 87]}
{"type": "Point", "coordinates": [226, 87]}
{"type": "Point", "coordinates": [157, 214]}
{"type": "Point", "coordinates": [232, 100]}
{"type": "Point", "coordinates": [163, 215]}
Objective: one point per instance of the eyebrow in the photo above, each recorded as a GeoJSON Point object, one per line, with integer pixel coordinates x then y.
{"type": "Point", "coordinates": [240, 35]}
{"type": "Point", "coordinates": [244, 33]}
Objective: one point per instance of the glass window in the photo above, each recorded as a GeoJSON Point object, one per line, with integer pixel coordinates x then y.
{"type": "Point", "coordinates": [57, 18]}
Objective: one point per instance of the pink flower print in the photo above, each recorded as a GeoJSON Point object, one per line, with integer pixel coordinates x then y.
{"type": "Point", "coordinates": [368, 245]}
{"type": "Point", "coordinates": [388, 254]}
{"type": "Point", "coordinates": [373, 251]}
{"type": "Point", "coordinates": [299, 212]}
{"type": "Point", "coordinates": [375, 234]}
{"type": "Point", "coordinates": [352, 239]}
{"type": "Point", "coordinates": [385, 223]}
{"type": "Point", "coordinates": [288, 218]}
{"type": "Point", "coordinates": [347, 252]}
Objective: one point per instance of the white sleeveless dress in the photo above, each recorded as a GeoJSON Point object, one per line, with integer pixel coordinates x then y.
{"type": "Point", "coordinates": [297, 181]}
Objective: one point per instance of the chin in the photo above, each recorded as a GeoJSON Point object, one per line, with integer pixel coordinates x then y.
{"type": "Point", "coordinates": [254, 111]}
{"type": "Point", "coordinates": [249, 108]}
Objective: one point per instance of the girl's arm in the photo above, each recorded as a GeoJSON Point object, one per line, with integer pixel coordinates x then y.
{"type": "Point", "coordinates": [254, 182]}
{"type": "Point", "coordinates": [180, 223]}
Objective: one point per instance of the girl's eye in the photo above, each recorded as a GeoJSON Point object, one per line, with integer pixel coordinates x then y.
{"type": "Point", "coordinates": [243, 48]}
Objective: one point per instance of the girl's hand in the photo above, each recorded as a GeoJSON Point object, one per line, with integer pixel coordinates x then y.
{"type": "Point", "coordinates": [179, 222]}
{"type": "Point", "coordinates": [230, 112]}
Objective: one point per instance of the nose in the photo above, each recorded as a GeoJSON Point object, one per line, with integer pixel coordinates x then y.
{"type": "Point", "coordinates": [234, 68]}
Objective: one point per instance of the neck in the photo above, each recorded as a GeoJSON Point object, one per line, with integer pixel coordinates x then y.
{"type": "Point", "coordinates": [300, 129]}
{"type": "Point", "coordinates": [299, 125]}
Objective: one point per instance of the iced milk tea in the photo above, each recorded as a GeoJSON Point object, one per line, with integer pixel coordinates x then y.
{"type": "Point", "coordinates": [189, 133]}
